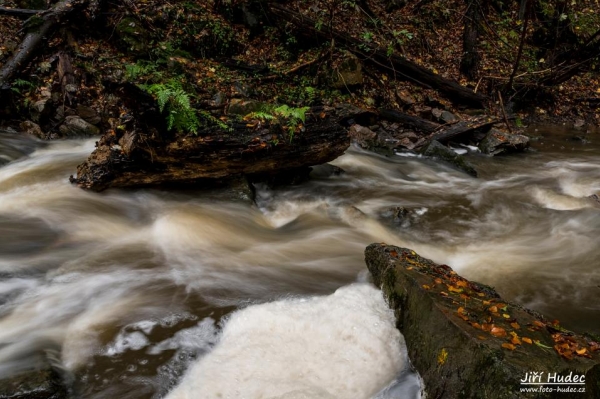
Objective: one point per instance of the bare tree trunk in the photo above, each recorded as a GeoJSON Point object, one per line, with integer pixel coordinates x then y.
{"type": "Point", "coordinates": [48, 21]}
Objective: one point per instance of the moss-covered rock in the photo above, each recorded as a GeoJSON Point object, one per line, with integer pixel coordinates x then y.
{"type": "Point", "coordinates": [467, 342]}
{"type": "Point", "coordinates": [439, 151]}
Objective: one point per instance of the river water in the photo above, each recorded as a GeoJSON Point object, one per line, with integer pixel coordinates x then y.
{"type": "Point", "coordinates": [126, 290]}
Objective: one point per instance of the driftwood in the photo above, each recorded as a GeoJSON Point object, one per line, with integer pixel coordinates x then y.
{"type": "Point", "coordinates": [142, 154]}
{"type": "Point", "coordinates": [46, 22]}
{"type": "Point", "coordinates": [462, 128]}
{"type": "Point", "coordinates": [394, 64]}
{"type": "Point", "coordinates": [409, 120]}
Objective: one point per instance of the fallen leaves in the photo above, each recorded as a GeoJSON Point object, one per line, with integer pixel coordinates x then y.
{"type": "Point", "coordinates": [442, 356]}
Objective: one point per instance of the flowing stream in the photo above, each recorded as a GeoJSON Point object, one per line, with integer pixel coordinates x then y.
{"type": "Point", "coordinates": [129, 290]}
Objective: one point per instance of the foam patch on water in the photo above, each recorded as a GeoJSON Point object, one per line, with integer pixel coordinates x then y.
{"type": "Point", "coordinates": [340, 346]}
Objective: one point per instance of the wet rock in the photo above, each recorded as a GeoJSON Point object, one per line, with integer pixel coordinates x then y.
{"type": "Point", "coordinates": [325, 170]}
{"type": "Point", "coordinates": [348, 73]}
{"type": "Point", "coordinates": [497, 142]}
{"type": "Point", "coordinates": [405, 98]}
{"type": "Point", "coordinates": [579, 123]}
{"type": "Point", "coordinates": [14, 146]}
{"type": "Point", "coordinates": [363, 136]}
{"type": "Point", "coordinates": [74, 126]}
{"type": "Point", "coordinates": [33, 129]}
{"type": "Point", "coordinates": [439, 151]}
{"type": "Point", "coordinates": [245, 107]}
{"type": "Point", "coordinates": [42, 384]}
{"type": "Point", "coordinates": [88, 114]}
{"type": "Point", "coordinates": [460, 340]}
{"type": "Point", "coordinates": [443, 116]}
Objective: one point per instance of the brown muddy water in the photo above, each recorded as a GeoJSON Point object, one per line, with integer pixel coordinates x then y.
{"type": "Point", "coordinates": [151, 294]}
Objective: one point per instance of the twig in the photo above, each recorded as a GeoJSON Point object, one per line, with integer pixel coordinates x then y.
{"type": "Point", "coordinates": [19, 12]}
{"type": "Point", "coordinates": [504, 112]}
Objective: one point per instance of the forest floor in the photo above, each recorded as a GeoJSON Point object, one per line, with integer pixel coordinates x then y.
{"type": "Point", "coordinates": [216, 51]}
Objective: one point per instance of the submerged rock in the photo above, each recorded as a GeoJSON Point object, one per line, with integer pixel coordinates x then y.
{"type": "Point", "coordinates": [41, 384]}
{"type": "Point", "coordinates": [497, 142]}
{"type": "Point", "coordinates": [467, 342]}
{"type": "Point", "coordinates": [439, 151]}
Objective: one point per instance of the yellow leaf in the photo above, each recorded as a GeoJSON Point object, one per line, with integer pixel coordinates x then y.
{"type": "Point", "coordinates": [442, 356]}
{"type": "Point", "coordinates": [426, 287]}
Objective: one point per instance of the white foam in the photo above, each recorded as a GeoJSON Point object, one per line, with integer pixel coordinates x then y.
{"type": "Point", "coordinates": [340, 346]}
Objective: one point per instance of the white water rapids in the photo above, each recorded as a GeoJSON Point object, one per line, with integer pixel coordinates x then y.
{"type": "Point", "coordinates": [129, 290]}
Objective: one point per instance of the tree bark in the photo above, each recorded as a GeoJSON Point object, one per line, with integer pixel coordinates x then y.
{"type": "Point", "coordinates": [48, 20]}
{"type": "Point", "coordinates": [469, 63]}
{"type": "Point", "coordinates": [136, 158]}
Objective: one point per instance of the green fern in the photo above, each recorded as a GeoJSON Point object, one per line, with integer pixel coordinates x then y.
{"type": "Point", "coordinates": [291, 117]}
{"type": "Point", "coordinates": [173, 100]}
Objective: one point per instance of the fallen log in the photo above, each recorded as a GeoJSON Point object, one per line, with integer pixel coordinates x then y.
{"type": "Point", "coordinates": [45, 23]}
{"type": "Point", "coordinates": [250, 148]}
{"type": "Point", "coordinates": [462, 128]}
{"type": "Point", "coordinates": [409, 120]}
{"type": "Point", "coordinates": [394, 64]}
{"type": "Point", "coordinates": [463, 345]}
{"type": "Point", "coordinates": [19, 12]}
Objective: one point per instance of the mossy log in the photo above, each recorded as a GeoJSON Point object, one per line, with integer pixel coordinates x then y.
{"type": "Point", "coordinates": [467, 342]}
{"type": "Point", "coordinates": [130, 158]}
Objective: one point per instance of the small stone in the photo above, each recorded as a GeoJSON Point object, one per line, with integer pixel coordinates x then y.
{"type": "Point", "coordinates": [88, 114]}
{"type": "Point", "coordinates": [33, 129]}
{"type": "Point", "coordinates": [75, 126]}
{"type": "Point", "coordinates": [348, 73]}
{"type": "Point", "coordinates": [362, 135]}
{"type": "Point", "coordinates": [405, 98]}
{"type": "Point", "coordinates": [579, 123]}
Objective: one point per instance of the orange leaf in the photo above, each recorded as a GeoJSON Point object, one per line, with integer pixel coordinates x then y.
{"type": "Point", "coordinates": [581, 351]}
{"type": "Point", "coordinates": [528, 340]}
{"type": "Point", "coordinates": [509, 346]}
{"type": "Point", "coordinates": [515, 325]}
{"type": "Point", "coordinates": [493, 309]}
{"type": "Point", "coordinates": [515, 340]}
{"type": "Point", "coordinates": [538, 323]}
{"type": "Point", "coordinates": [498, 332]}
{"type": "Point", "coordinates": [438, 280]}
{"type": "Point", "coordinates": [394, 254]}
{"type": "Point", "coordinates": [461, 283]}
{"type": "Point", "coordinates": [426, 287]}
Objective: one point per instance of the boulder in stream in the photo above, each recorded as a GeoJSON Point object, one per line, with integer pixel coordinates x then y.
{"type": "Point", "coordinates": [467, 342]}
{"type": "Point", "coordinates": [498, 142]}
{"type": "Point", "coordinates": [439, 151]}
